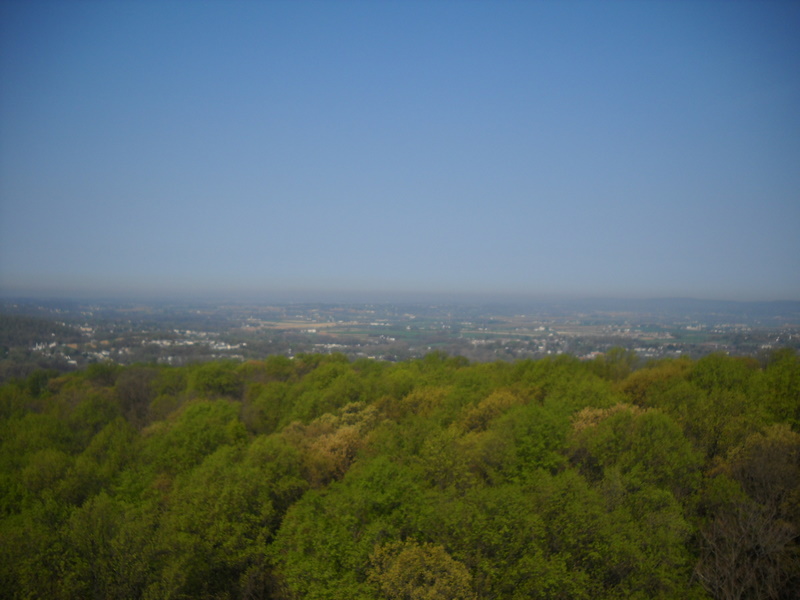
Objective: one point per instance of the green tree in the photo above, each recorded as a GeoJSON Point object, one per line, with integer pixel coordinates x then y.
{"type": "Point", "coordinates": [642, 385]}
{"type": "Point", "coordinates": [135, 391]}
{"type": "Point", "coordinates": [616, 364]}
{"type": "Point", "coordinates": [217, 379]}
{"type": "Point", "coordinates": [721, 372]}
{"type": "Point", "coordinates": [478, 416]}
{"type": "Point", "coordinates": [412, 571]}
{"type": "Point", "coordinates": [323, 546]}
{"type": "Point", "coordinates": [646, 446]}
{"type": "Point", "coordinates": [91, 560]}
{"type": "Point", "coordinates": [32, 550]}
{"type": "Point", "coordinates": [779, 387]}
{"type": "Point", "coordinates": [219, 517]}
{"type": "Point", "coordinates": [197, 431]}
{"type": "Point", "coordinates": [266, 406]}
{"type": "Point", "coordinates": [631, 546]}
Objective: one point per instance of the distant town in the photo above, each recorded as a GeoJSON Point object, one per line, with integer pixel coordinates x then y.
{"type": "Point", "coordinates": [68, 335]}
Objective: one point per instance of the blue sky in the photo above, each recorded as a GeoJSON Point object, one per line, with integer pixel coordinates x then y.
{"type": "Point", "coordinates": [631, 149]}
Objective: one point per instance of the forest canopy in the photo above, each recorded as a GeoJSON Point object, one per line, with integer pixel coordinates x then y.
{"type": "Point", "coordinates": [321, 478]}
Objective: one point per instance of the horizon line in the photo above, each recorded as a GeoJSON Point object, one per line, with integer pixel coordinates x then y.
{"type": "Point", "coordinates": [357, 296]}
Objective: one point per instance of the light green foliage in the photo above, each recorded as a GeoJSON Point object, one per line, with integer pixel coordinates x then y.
{"type": "Point", "coordinates": [401, 440]}
{"type": "Point", "coordinates": [278, 368]}
{"type": "Point", "coordinates": [31, 550]}
{"type": "Point", "coordinates": [43, 470]}
{"type": "Point", "coordinates": [474, 385]}
{"type": "Point", "coordinates": [279, 466]}
{"type": "Point", "coordinates": [477, 417]}
{"type": "Point", "coordinates": [91, 414]}
{"type": "Point", "coordinates": [715, 400]}
{"type": "Point", "coordinates": [549, 374]}
{"type": "Point", "coordinates": [411, 571]}
{"type": "Point", "coordinates": [489, 455]}
{"type": "Point", "coordinates": [539, 435]}
{"type": "Point", "coordinates": [631, 547]}
{"type": "Point", "coordinates": [266, 405]}
{"type": "Point", "coordinates": [779, 388]}
{"type": "Point", "coordinates": [216, 379]}
{"type": "Point", "coordinates": [92, 558]}
{"type": "Point", "coordinates": [179, 444]}
{"type": "Point", "coordinates": [616, 364]}
{"type": "Point", "coordinates": [646, 446]}
{"type": "Point", "coordinates": [327, 387]}
{"type": "Point", "coordinates": [494, 532]}
{"type": "Point", "coordinates": [721, 372]}
{"type": "Point", "coordinates": [398, 382]}
{"type": "Point", "coordinates": [15, 400]}
{"type": "Point", "coordinates": [170, 391]}
{"type": "Point", "coordinates": [722, 420]}
{"type": "Point", "coordinates": [641, 385]}
{"type": "Point", "coordinates": [220, 516]}
{"type": "Point", "coordinates": [317, 478]}
{"type": "Point", "coordinates": [419, 402]}
{"type": "Point", "coordinates": [443, 461]}
{"type": "Point", "coordinates": [34, 456]}
{"type": "Point", "coordinates": [323, 547]}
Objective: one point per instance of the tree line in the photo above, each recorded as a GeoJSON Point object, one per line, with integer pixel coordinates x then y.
{"type": "Point", "coordinates": [320, 478]}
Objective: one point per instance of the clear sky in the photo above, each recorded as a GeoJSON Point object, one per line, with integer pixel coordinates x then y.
{"type": "Point", "coordinates": [639, 148]}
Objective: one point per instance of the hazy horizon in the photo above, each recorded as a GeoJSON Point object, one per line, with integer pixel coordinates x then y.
{"type": "Point", "coordinates": [223, 297]}
{"type": "Point", "coordinates": [400, 149]}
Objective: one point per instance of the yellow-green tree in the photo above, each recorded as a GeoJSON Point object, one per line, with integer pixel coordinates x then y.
{"type": "Point", "coordinates": [412, 571]}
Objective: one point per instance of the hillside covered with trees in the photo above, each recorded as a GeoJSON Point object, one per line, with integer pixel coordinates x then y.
{"type": "Point", "coordinates": [436, 478]}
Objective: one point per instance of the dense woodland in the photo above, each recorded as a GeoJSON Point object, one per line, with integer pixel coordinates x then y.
{"type": "Point", "coordinates": [436, 478]}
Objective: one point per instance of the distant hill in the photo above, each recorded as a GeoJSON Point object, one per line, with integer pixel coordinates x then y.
{"type": "Point", "coordinates": [19, 330]}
